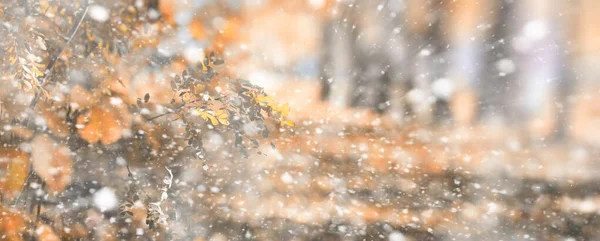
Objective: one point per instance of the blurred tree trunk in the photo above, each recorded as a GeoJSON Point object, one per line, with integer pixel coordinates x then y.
{"type": "Point", "coordinates": [540, 58]}
{"type": "Point", "coordinates": [585, 113]}
{"type": "Point", "coordinates": [499, 62]}
{"type": "Point", "coordinates": [424, 60]}
{"type": "Point", "coordinates": [336, 60]}
{"type": "Point", "coordinates": [355, 57]}
{"type": "Point", "coordinates": [465, 59]}
{"type": "Point", "coordinates": [466, 27]}
{"type": "Point", "coordinates": [398, 52]}
{"type": "Point", "coordinates": [369, 35]}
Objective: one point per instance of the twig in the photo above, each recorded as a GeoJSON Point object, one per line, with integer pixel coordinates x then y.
{"type": "Point", "coordinates": [161, 115]}
{"type": "Point", "coordinates": [173, 111]}
{"type": "Point", "coordinates": [39, 203]}
{"type": "Point", "coordinates": [24, 185]}
{"type": "Point", "coordinates": [52, 63]}
{"type": "Point", "coordinates": [50, 67]}
{"type": "Point", "coordinates": [135, 182]}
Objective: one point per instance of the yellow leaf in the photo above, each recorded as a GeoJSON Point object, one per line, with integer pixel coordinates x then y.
{"type": "Point", "coordinates": [123, 28]}
{"type": "Point", "coordinates": [90, 36]}
{"type": "Point", "coordinates": [39, 65]}
{"type": "Point", "coordinates": [12, 60]}
{"type": "Point", "coordinates": [15, 165]}
{"type": "Point", "coordinates": [206, 116]}
{"type": "Point", "coordinates": [186, 97]}
{"type": "Point", "coordinates": [286, 123]}
{"type": "Point", "coordinates": [264, 99]}
{"type": "Point", "coordinates": [284, 109]}
{"type": "Point", "coordinates": [223, 117]}
{"type": "Point", "coordinates": [37, 71]}
{"type": "Point", "coordinates": [213, 120]}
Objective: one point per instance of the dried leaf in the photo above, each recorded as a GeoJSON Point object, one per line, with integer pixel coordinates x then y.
{"type": "Point", "coordinates": [152, 135]}
{"type": "Point", "coordinates": [22, 132]}
{"type": "Point", "coordinates": [197, 29]}
{"type": "Point", "coordinates": [45, 233]}
{"type": "Point", "coordinates": [186, 74]}
{"type": "Point", "coordinates": [173, 85]}
{"type": "Point", "coordinates": [222, 116]}
{"type": "Point", "coordinates": [15, 166]}
{"type": "Point", "coordinates": [12, 224]}
{"type": "Point", "coordinates": [218, 62]}
{"type": "Point", "coordinates": [99, 124]}
{"type": "Point", "coordinates": [52, 162]}
{"type": "Point", "coordinates": [75, 232]}
{"type": "Point", "coordinates": [206, 116]}
{"type": "Point", "coordinates": [287, 123]}
{"type": "Point", "coordinates": [82, 97]}
{"type": "Point", "coordinates": [58, 125]}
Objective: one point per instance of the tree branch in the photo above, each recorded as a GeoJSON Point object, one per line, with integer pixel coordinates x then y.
{"type": "Point", "coordinates": [52, 63]}
{"type": "Point", "coordinates": [173, 111]}
{"type": "Point", "coordinates": [72, 33]}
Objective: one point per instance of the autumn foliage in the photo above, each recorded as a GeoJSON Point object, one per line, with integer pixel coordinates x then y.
{"type": "Point", "coordinates": [84, 84]}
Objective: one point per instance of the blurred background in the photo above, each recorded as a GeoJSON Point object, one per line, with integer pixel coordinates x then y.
{"type": "Point", "coordinates": [525, 64]}
{"type": "Point", "coordinates": [416, 119]}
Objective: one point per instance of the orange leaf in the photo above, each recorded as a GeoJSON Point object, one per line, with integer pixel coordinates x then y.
{"type": "Point", "coordinates": [45, 233]}
{"type": "Point", "coordinates": [167, 10]}
{"type": "Point", "coordinates": [58, 125]}
{"type": "Point", "coordinates": [75, 231]}
{"type": "Point", "coordinates": [12, 224]}
{"type": "Point", "coordinates": [52, 162]}
{"type": "Point", "coordinates": [117, 85]}
{"type": "Point", "coordinates": [22, 132]}
{"type": "Point", "coordinates": [99, 124]}
{"type": "Point", "coordinates": [197, 29]}
{"type": "Point", "coordinates": [152, 136]}
{"type": "Point", "coordinates": [82, 97]}
{"type": "Point", "coordinates": [16, 168]}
